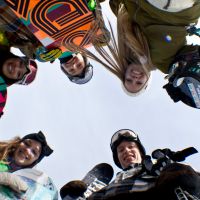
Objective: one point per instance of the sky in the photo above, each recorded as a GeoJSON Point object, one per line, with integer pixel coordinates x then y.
{"type": "Point", "coordinates": [79, 120]}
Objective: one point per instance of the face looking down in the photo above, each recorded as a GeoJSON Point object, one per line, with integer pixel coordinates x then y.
{"type": "Point", "coordinates": [135, 78]}
{"type": "Point", "coordinates": [14, 68]}
{"type": "Point", "coordinates": [27, 152]}
{"type": "Point", "coordinates": [128, 153]}
{"type": "Point", "coordinates": [75, 65]}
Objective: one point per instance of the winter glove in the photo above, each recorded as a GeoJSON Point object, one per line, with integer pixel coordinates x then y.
{"type": "Point", "coordinates": [162, 160]}
{"type": "Point", "coordinates": [156, 168]}
{"type": "Point", "coordinates": [43, 55]}
{"type": "Point", "coordinates": [73, 190]}
{"type": "Point", "coordinates": [173, 92]}
{"type": "Point", "coordinates": [13, 181]}
{"type": "Point", "coordinates": [177, 156]}
{"type": "Point", "coordinates": [3, 39]}
{"type": "Point", "coordinates": [91, 4]}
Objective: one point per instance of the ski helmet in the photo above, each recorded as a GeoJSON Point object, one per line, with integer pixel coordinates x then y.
{"type": "Point", "coordinates": [124, 135]}
{"type": "Point", "coordinates": [40, 137]}
{"type": "Point", "coordinates": [184, 79]}
{"type": "Point", "coordinates": [32, 71]}
{"type": "Point", "coordinates": [82, 78]}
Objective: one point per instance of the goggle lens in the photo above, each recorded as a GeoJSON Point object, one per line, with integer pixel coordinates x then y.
{"type": "Point", "coordinates": [124, 132]}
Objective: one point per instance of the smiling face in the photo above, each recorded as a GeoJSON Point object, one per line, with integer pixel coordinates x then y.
{"type": "Point", "coordinates": [75, 65]}
{"type": "Point", "coordinates": [135, 78]}
{"type": "Point", "coordinates": [128, 153]}
{"type": "Point", "coordinates": [14, 68]}
{"type": "Point", "coordinates": [27, 152]}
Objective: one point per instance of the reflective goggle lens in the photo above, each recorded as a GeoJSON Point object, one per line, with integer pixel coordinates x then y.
{"type": "Point", "coordinates": [124, 132]}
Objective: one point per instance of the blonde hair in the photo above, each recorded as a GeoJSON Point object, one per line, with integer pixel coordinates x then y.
{"type": "Point", "coordinates": [132, 46]}
{"type": "Point", "coordinates": [8, 147]}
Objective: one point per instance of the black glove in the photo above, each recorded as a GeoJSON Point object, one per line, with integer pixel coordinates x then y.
{"type": "Point", "coordinates": [161, 163]}
{"type": "Point", "coordinates": [177, 156]}
{"type": "Point", "coordinates": [173, 92]}
{"type": "Point", "coordinates": [73, 189]}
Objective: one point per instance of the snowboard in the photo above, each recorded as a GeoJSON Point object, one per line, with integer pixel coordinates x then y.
{"type": "Point", "coordinates": [40, 186]}
{"type": "Point", "coordinates": [97, 178]}
{"type": "Point", "coordinates": [3, 95]}
{"type": "Point", "coordinates": [55, 22]}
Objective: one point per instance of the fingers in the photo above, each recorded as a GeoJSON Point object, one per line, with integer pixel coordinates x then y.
{"type": "Point", "coordinates": [51, 55]}
{"type": "Point", "coordinates": [13, 181]}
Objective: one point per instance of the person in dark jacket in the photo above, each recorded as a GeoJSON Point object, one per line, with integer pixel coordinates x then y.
{"type": "Point", "coordinates": [140, 178]}
{"type": "Point", "coordinates": [165, 180]}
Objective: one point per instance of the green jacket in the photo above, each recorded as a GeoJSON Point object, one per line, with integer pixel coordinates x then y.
{"type": "Point", "coordinates": [165, 31]}
{"type": "Point", "coordinates": [4, 167]}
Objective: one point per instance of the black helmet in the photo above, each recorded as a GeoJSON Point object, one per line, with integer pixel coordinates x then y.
{"type": "Point", "coordinates": [184, 78]}
{"type": "Point", "coordinates": [124, 135]}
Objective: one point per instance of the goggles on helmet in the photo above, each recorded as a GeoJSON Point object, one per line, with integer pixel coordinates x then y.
{"type": "Point", "coordinates": [32, 70]}
{"type": "Point", "coordinates": [125, 133]}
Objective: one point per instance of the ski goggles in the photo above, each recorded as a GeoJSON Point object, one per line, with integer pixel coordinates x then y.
{"type": "Point", "coordinates": [190, 87]}
{"type": "Point", "coordinates": [123, 133]}
{"type": "Point", "coordinates": [32, 70]}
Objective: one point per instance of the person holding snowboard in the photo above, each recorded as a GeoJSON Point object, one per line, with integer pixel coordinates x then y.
{"type": "Point", "coordinates": [139, 181]}
{"type": "Point", "coordinates": [76, 65]}
{"type": "Point", "coordinates": [15, 34]}
{"type": "Point", "coordinates": [151, 35]}
{"type": "Point", "coordinates": [140, 178]}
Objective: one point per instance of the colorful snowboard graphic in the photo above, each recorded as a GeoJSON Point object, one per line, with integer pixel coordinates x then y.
{"type": "Point", "coordinates": [40, 186]}
{"type": "Point", "coordinates": [55, 22]}
{"type": "Point", "coordinates": [3, 95]}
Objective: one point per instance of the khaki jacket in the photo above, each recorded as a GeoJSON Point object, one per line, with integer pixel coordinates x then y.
{"type": "Point", "coordinates": [165, 31]}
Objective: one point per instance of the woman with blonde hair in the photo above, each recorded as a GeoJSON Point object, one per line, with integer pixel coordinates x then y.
{"type": "Point", "coordinates": [128, 58]}
{"type": "Point", "coordinates": [150, 34]}
{"type": "Point", "coordinates": [25, 152]}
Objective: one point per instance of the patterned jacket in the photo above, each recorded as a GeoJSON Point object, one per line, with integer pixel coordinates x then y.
{"type": "Point", "coordinates": [133, 182]}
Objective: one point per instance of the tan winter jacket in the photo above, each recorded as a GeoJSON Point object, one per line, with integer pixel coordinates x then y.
{"type": "Point", "coordinates": [165, 31]}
